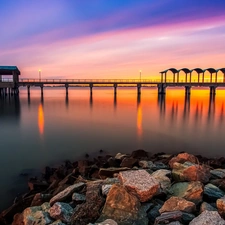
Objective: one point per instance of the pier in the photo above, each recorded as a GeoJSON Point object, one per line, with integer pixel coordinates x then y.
{"type": "Point", "coordinates": [12, 85]}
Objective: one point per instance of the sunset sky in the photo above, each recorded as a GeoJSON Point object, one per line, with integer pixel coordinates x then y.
{"type": "Point", "coordinates": [111, 38]}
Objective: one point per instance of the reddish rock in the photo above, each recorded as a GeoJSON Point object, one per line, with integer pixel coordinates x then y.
{"type": "Point", "coordinates": [120, 205]}
{"type": "Point", "coordinates": [190, 172]}
{"type": "Point", "coordinates": [208, 218]}
{"type": "Point", "coordinates": [220, 203]}
{"type": "Point", "coordinates": [176, 203]}
{"type": "Point", "coordinates": [66, 193]}
{"type": "Point", "coordinates": [140, 183]}
{"type": "Point", "coordinates": [183, 157]}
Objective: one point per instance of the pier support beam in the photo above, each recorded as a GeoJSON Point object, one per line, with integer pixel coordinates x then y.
{"type": "Point", "coordinates": [138, 89]}
{"type": "Point", "coordinates": [28, 90]}
{"type": "Point", "coordinates": [161, 89]}
{"type": "Point", "coordinates": [212, 90]}
{"type": "Point", "coordinates": [115, 89]}
{"type": "Point", "coordinates": [42, 91]}
{"type": "Point", "coordinates": [187, 90]}
{"type": "Point", "coordinates": [67, 87]}
{"type": "Point", "coordinates": [91, 87]}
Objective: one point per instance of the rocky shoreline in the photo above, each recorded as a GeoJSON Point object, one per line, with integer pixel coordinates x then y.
{"type": "Point", "coordinates": [134, 189]}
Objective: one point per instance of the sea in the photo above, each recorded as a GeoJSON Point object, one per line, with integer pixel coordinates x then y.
{"type": "Point", "coordinates": [38, 131]}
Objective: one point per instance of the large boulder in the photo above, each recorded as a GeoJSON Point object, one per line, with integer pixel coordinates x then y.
{"type": "Point", "coordinates": [182, 158]}
{"type": "Point", "coordinates": [61, 211]}
{"type": "Point", "coordinates": [176, 203]}
{"type": "Point", "coordinates": [190, 172]}
{"type": "Point", "coordinates": [191, 191]}
{"type": "Point", "coordinates": [208, 217]}
{"type": "Point", "coordinates": [140, 183]}
{"type": "Point", "coordinates": [122, 207]}
{"type": "Point", "coordinates": [66, 193]}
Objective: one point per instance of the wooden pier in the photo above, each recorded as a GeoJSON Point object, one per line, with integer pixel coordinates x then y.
{"type": "Point", "coordinates": [12, 85]}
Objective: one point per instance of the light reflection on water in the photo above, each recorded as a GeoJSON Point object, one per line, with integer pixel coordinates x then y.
{"type": "Point", "coordinates": [43, 130]}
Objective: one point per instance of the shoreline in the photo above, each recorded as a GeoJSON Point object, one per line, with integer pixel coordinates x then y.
{"type": "Point", "coordinates": [151, 189]}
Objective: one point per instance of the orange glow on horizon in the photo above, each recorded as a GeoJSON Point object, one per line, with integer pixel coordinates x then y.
{"type": "Point", "coordinates": [41, 119]}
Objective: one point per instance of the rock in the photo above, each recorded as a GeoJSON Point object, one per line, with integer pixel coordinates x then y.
{"type": "Point", "coordinates": [108, 222]}
{"type": "Point", "coordinates": [191, 191]}
{"type": "Point", "coordinates": [208, 217]}
{"type": "Point", "coordinates": [160, 166]}
{"type": "Point", "coordinates": [176, 203]}
{"type": "Point", "coordinates": [120, 156]}
{"type": "Point", "coordinates": [112, 162]}
{"type": "Point", "coordinates": [212, 192]}
{"type": "Point", "coordinates": [147, 165]}
{"type": "Point", "coordinates": [34, 216]}
{"type": "Point", "coordinates": [161, 172]}
{"type": "Point", "coordinates": [109, 172]}
{"type": "Point", "coordinates": [206, 206]}
{"type": "Point", "coordinates": [83, 167]}
{"type": "Point", "coordinates": [57, 222]}
{"type": "Point", "coordinates": [66, 193]}
{"type": "Point", "coordinates": [128, 162]}
{"type": "Point", "coordinates": [182, 158]}
{"type": "Point", "coordinates": [218, 173]}
{"type": "Point", "coordinates": [35, 184]}
{"type": "Point", "coordinates": [153, 213]}
{"type": "Point", "coordinates": [160, 176]}
{"type": "Point", "coordinates": [187, 217]}
{"type": "Point", "coordinates": [89, 211]}
{"type": "Point", "coordinates": [123, 207]}
{"type": "Point", "coordinates": [45, 206]}
{"type": "Point", "coordinates": [78, 198]}
{"type": "Point", "coordinates": [220, 183]}
{"type": "Point", "coordinates": [69, 179]}
{"type": "Point", "coordinates": [61, 211]}
{"type": "Point", "coordinates": [140, 183]}
{"type": "Point", "coordinates": [175, 223]}
{"type": "Point", "coordinates": [106, 188]}
{"type": "Point", "coordinates": [39, 199]}
{"type": "Point", "coordinates": [220, 203]}
{"type": "Point", "coordinates": [190, 172]}
{"type": "Point", "coordinates": [168, 217]}
{"type": "Point", "coordinates": [139, 154]}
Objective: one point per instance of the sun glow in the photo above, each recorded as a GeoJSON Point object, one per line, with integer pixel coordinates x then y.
{"type": "Point", "coordinates": [41, 120]}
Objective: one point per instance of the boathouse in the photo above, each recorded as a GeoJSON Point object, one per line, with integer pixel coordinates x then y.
{"type": "Point", "coordinates": [9, 79]}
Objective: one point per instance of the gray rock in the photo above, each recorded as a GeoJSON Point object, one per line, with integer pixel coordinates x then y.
{"type": "Point", "coordinates": [187, 217]}
{"type": "Point", "coordinates": [162, 172]}
{"type": "Point", "coordinates": [206, 206]}
{"type": "Point", "coordinates": [61, 211]}
{"type": "Point", "coordinates": [213, 192]}
{"type": "Point", "coordinates": [218, 173]}
{"type": "Point", "coordinates": [106, 188]}
{"type": "Point", "coordinates": [147, 164]}
{"type": "Point", "coordinates": [78, 198]}
{"type": "Point", "coordinates": [61, 196]}
{"type": "Point", "coordinates": [208, 217]}
{"type": "Point", "coordinates": [108, 222]}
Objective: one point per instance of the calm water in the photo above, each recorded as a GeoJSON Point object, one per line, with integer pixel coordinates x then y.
{"type": "Point", "coordinates": [37, 132]}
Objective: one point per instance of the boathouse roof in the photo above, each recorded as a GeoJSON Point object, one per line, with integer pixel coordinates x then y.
{"type": "Point", "coordinates": [8, 70]}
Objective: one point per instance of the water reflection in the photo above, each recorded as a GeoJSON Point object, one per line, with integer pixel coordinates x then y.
{"type": "Point", "coordinates": [10, 107]}
{"type": "Point", "coordinates": [139, 118]}
{"type": "Point", "coordinates": [41, 119]}
{"type": "Point", "coordinates": [91, 100]}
